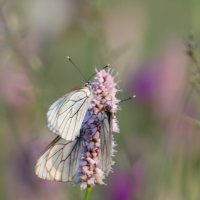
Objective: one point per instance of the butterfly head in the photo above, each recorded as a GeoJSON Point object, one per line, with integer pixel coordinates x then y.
{"type": "Point", "coordinates": [88, 84]}
{"type": "Point", "coordinates": [108, 108]}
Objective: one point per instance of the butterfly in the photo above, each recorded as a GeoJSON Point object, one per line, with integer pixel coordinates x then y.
{"type": "Point", "coordinates": [60, 160]}
{"type": "Point", "coordinates": [65, 116]}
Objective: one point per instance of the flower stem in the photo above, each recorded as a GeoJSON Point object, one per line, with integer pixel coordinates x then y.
{"type": "Point", "coordinates": [87, 193]}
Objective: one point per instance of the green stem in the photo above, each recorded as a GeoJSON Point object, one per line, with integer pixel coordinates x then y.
{"type": "Point", "coordinates": [87, 193]}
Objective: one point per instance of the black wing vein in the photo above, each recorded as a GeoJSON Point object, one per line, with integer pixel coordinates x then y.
{"type": "Point", "coordinates": [60, 161]}
{"type": "Point", "coordinates": [65, 116]}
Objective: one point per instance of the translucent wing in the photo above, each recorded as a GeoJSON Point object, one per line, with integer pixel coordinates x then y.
{"type": "Point", "coordinates": [106, 143]}
{"type": "Point", "coordinates": [60, 161]}
{"type": "Point", "coordinates": [65, 116]}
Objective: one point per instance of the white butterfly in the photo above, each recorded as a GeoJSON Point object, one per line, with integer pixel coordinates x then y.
{"type": "Point", "coordinates": [65, 116]}
{"type": "Point", "coordinates": [60, 161]}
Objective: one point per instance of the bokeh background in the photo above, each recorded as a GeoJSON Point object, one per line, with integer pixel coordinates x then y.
{"type": "Point", "coordinates": [153, 44]}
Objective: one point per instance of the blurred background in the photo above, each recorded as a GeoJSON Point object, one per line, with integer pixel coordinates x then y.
{"type": "Point", "coordinates": [154, 47]}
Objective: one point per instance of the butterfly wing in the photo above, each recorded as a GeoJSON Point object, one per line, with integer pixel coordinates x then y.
{"type": "Point", "coordinates": [65, 116]}
{"type": "Point", "coordinates": [60, 160]}
{"type": "Point", "coordinates": [106, 143]}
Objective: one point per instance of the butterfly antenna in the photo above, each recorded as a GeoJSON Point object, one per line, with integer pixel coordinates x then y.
{"type": "Point", "coordinates": [77, 68]}
{"type": "Point", "coordinates": [108, 65]}
{"type": "Point", "coordinates": [132, 97]}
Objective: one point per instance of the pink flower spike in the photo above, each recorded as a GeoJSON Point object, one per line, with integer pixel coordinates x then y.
{"type": "Point", "coordinates": [91, 170]}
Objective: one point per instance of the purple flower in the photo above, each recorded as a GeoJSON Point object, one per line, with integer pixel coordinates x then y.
{"type": "Point", "coordinates": [161, 83]}
{"type": "Point", "coordinates": [145, 84]}
{"type": "Point", "coordinates": [121, 186]}
{"type": "Point", "coordinates": [104, 96]}
{"type": "Point", "coordinates": [129, 184]}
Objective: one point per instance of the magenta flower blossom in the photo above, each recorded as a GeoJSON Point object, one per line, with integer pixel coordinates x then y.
{"type": "Point", "coordinates": [129, 184]}
{"type": "Point", "coordinates": [104, 97]}
{"type": "Point", "coordinates": [120, 186]}
{"type": "Point", "coordinates": [161, 84]}
{"type": "Point", "coordinates": [87, 157]}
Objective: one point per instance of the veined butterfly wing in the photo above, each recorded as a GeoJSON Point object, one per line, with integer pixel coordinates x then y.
{"type": "Point", "coordinates": [60, 160]}
{"type": "Point", "coordinates": [65, 116]}
{"type": "Point", "coordinates": [106, 142]}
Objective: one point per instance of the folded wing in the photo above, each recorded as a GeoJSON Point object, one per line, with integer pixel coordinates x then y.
{"type": "Point", "coordinates": [60, 161]}
{"type": "Point", "coordinates": [65, 116]}
{"type": "Point", "coordinates": [106, 143]}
